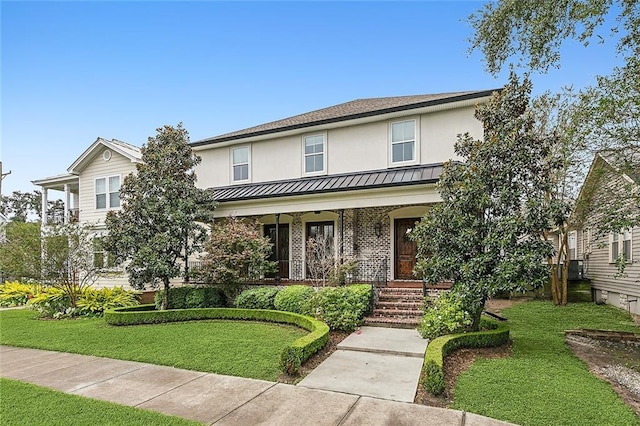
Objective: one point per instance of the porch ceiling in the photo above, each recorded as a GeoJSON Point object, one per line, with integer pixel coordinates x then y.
{"type": "Point", "coordinates": [404, 176]}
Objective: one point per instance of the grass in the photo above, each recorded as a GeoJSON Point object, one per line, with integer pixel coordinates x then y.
{"type": "Point", "coordinates": [237, 348]}
{"type": "Point", "coordinates": [26, 404]}
{"type": "Point", "coordinates": [542, 383]}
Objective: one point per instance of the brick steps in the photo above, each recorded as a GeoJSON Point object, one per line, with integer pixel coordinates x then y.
{"type": "Point", "coordinates": [398, 308]}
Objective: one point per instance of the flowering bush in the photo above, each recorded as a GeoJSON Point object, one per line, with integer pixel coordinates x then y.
{"type": "Point", "coordinates": [445, 315]}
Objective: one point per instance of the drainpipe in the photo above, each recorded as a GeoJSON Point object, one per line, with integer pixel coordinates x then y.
{"type": "Point", "coordinates": [278, 247]}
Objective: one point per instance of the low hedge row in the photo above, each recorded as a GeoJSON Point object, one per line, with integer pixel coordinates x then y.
{"type": "Point", "coordinates": [291, 357]}
{"type": "Point", "coordinates": [439, 348]}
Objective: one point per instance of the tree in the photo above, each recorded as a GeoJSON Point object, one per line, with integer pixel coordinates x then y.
{"type": "Point", "coordinates": [25, 206]}
{"type": "Point", "coordinates": [68, 262]}
{"type": "Point", "coordinates": [156, 227]}
{"type": "Point", "coordinates": [606, 116]}
{"type": "Point", "coordinates": [485, 235]}
{"type": "Point", "coordinates": [234, 253]}
{"type": "Point", "coordinates": [20, 253]}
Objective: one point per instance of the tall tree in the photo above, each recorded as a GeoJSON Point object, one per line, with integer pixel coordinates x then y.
{"type": "Point", "coordinates": [27, 206]}
{"type": "Point", "coordinates": [485, 235]}
{"type": "Point", "coordinates": [606, 116]}
{"type": "Point", "coordinates": [156, 230]}
{"type": "Point", "coordinates": [20, 252]}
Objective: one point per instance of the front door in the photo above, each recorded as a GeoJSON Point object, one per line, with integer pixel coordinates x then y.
{"type": "Point", "coordinates": [405, 250]}
{"type": "Point", "coordinates": [283, 265]}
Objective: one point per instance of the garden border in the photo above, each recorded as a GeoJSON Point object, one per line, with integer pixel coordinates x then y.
{"type": "Point", "coordinates": [291, 358]}
{"type": "Point", "coordinates": [442, 346]}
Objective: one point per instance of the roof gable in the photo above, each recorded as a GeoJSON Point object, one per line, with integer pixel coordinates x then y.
{"type": "Point", "coordinates": [126, 150]}
{"type": "Point", "coordinates": [358, 108]}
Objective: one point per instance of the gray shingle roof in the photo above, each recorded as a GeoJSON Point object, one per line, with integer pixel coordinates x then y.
{"type": "Point", "coordinates": [334, 183]}
{"type": "Point", "coordinates": [348, 111]}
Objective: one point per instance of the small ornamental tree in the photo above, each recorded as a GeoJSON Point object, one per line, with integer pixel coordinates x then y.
{"type": "Point", "coordinates": [485, 235]}
{"type": "Point", "coordinates": [20, 252]}
{"type": "Point", "coordinates": [156, 230]}
{"type": "Point", "coordinates": [235, 253]}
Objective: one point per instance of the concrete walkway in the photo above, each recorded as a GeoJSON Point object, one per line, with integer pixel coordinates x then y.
{"type": "Point", "coordinates": [212, 398]}
{"type": "Point", "coordinates": [374, 361]}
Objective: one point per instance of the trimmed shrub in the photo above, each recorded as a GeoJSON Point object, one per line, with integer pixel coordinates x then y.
{"type": "Point", "coordinates": [291, 357]}
{"type": "Point", "coordinates": [95, 302]}
{"type": "Point", "coordinates": [188, 297]}
{"type": "Point", "coordinates": [496, 334]}
{"type": "Point", "coordinates": [294, 299]}
{"type": "Point", "coordinates": [257, 298]}
{"type": "Point", "coordinates": [342, 308]}
{"type": "Point", "coordinates": [445, 315]}
{"type": "Point", "coordinates": [17, 294]}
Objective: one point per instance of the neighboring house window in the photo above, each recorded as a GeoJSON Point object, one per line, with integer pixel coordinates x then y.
{"type": "Point", "coordinates": [108, 192]}
{"type": "Point", "coordinates": [101, 258]}
{"type": "Point", "coordinates": [240, 160]}
{"type": "Point", "coordinates": [586, 242]}
{"type": "Point", "coordinates": [626, 246]}
{"type": "Point", "coordinates": [314, 155]}
{"type": "Point", "coordinates": [614, 247]}
{"type": "Point", "coordinates": [572, 243]}
{"type": "Point", "coordinates": [403, 141]}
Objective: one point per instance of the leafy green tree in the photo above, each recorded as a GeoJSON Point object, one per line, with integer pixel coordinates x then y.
{"type": "Point", "coordinates": [235, 253]}
{"type": "Point", "coordinates": [156, 229]}
{"type": "Point", "coordinates": [486, 233]}
{"type": "Point", "coordinates": [27, 206]}
{"type": "Point", "coordinates": [20, 254]}
{"type": "Point", "coordinates": [606, 116]}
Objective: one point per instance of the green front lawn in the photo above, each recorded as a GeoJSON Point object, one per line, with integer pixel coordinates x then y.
{"type": "Point", "coordinates": [26, 404]}
{"type": "Point", "coordinates": [236, 348]}
{"type": "Point", "coordinates": [542, 383]}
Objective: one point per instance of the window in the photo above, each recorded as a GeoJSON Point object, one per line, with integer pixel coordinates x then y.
{"type": "Point", "coordinates": [240, 160]}
{"type": "Point", "coordinates": [108, 192]}
{"type": "Point", "coordinates": [403, 141]}
{"type": "Point", "coordinates": [572, 243]}
{"type": "Point", "coordinates": [623, 250]}
{"type": "Point", "coordinates": [101, 258]}
{"type": "Point", "coordinates": [626, 246]}
{"type": "Point", "coordinates": [615, 247]}
{"type": "Point", "coordinates": [314, 154]}
{"type": "Point", "coordinates": [586, 241]}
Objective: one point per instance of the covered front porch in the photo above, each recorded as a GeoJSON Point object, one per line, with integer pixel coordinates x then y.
{"type": "Point", "coordinates": [69, 185]}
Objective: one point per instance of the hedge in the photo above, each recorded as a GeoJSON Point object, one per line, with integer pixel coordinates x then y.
{"type": "Point", "coordinates": [291, 357]}
{"type": "Point", "coordinates": [439, 348]}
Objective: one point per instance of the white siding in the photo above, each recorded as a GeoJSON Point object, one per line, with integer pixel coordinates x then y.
{"type": "Point", "coordinates": [97, 168]}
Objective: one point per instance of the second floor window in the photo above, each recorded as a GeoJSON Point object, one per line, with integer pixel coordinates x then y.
{"type": "Point", "coordinates": [108, 192]}
{"type": "Point", "coordinates": [240, 162]}
{"type": "Point", "coordinates": [403, 141]}
{"type": "Point", "coordinates": [314, 154]}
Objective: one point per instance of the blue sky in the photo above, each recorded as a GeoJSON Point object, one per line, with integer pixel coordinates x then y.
{"type": "Point", "coordinates": [73, 71]}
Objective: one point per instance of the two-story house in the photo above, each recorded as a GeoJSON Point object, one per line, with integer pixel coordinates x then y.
{"type": "Point", "coordinates": [359, 174]}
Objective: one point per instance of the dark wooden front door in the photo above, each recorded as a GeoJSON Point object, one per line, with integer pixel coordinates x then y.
{"type": "Point", "coordinates": [405, 250]}
{"type": "Point", "coordinates": [283, 265]}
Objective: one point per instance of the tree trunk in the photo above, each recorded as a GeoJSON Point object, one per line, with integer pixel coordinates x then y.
{"type": "Point", "coordinates": [555, 294]}
{"type": "Point", "coordinates": [165, 294]}
{"type": "Point", "coordinates": [565, 282]}
{"type": "Point", "coordinates": [475, 316]}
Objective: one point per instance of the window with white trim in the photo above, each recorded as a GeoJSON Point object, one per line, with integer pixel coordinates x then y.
{"type": "Point", "coordinates": [107, 191]}
{"type": "Point", "coordinates": [614, 247]}
{"type": "Point", "coordinates": [240, 163]}
{"type": "Point", "coordinates": [403, 141]}
{"type": "Point", "coordinates": [626, 246]}
{"type": "Point", "coordinates": [586, 242]}
{"type": "Point", "coordinates": [101, 258]}
{"type": "Point", "coordinates": [572, 245]}
{"type": "Point", "coordinates": [314, 154]}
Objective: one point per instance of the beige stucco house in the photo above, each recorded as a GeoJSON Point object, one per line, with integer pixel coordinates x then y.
{"type": "Point", "coordinates": [359, 173]}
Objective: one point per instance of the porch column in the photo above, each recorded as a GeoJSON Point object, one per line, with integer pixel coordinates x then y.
{"type": "Point", "coordinates": [67, 202]}
{"type": "Point", "coordinates": [341, 236]}
{"type": "Point", "coordinates": [277, 247]}
{"type": "Point", "coordinates": [45, 203]}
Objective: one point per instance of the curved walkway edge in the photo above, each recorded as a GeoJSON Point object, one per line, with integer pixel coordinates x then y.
{"type": "Point", "coordinates": [212, 398]}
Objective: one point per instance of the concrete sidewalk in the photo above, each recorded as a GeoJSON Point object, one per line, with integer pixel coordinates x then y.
{"type": "Point", "coordinates": [212, 398]}
{"type": "Point", "coordinates": [374, 361]}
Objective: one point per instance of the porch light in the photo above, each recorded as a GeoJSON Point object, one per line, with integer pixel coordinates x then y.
{"type": "Point", "coordinates": [377, 229]}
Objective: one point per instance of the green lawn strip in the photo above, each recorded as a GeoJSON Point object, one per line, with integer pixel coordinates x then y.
{"type": "Point", "coordinates": [542, 383]}
{"type": "Point", "coordinates": [27, 404]}
{"type": "Point", "coordinates": [237, 348]}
